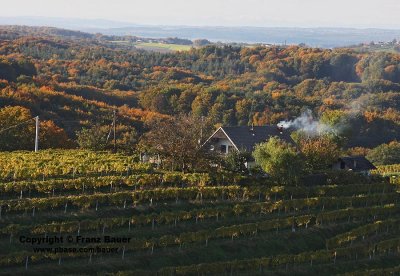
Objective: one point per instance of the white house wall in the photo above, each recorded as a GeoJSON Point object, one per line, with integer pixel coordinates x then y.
{"type": "Point", "coordinates": [222, 142]}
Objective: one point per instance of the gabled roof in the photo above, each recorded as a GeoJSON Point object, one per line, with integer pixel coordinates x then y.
{"type": "Point", "coordinates": [245, 138]}
{"type": "Point", "coordinates": [357, 163]}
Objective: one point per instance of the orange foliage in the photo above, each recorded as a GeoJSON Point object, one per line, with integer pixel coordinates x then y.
{"type": "Point", "coordinates": [52, 136]}
{"type": "Point", "coordinates": [329, 101]}
{"type": "Point", "coordinates": [370, 116]}
{"type": "Point", "coordinates": [276, 94]}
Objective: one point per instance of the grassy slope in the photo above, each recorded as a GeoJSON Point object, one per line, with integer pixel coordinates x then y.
{"type": "Point", "coordinates": [156, 47]}
{"type": "Point", "coordinates": [162, 46]}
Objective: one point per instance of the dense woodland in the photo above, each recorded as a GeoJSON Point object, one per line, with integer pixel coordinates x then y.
{"type": "Point", "coordinates": [74, 80]}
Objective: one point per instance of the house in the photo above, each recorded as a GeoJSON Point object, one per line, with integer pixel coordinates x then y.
{"type": "Point", "coordinates": [243, 139]}
{"type": "Point", "coordinates": [358, 164]}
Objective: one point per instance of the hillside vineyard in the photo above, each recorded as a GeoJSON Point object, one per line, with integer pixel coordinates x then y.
{"type": "Point", "coordinates": [144, 217]}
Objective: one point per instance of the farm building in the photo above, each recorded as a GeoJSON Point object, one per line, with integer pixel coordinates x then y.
{"type": "Point", "coordinates": [358, 164]}
{"type": "Point", "coordinates": [243, 139]}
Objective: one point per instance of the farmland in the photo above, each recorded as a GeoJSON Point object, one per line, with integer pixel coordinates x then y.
{"type": "Point", "coordinates": [155, 46]}
{"type": "Point", "coordinates": [188, 223]}
{"type": "Point", "coordinates": [162, 47]}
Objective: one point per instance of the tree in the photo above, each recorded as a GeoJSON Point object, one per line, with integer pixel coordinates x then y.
{"type": "Point", "coordinates": [340, 125]}
{"type": "Point", "coordinates": [385, 154]}
{"type": "Point", "coordinates": [243, 109]}
{"type": "Point", "coordinates": [128, 139]}
{"type": "Point", "coordinates": [94, 138]}
{"type": "Point", "coordinates": [17, 131]}
{"type": "Point", "coordinates": [52, 136]}
{"type": "Point", "coordinates": [319, 152]}
{"type": "Point", "coordinates": [201, 42]}
{"type": "Point", "coordinates": [99, 137]}
{"type": "Point", "coordinates": [235, 161]}
{"type": "Point", "coordinates": [280, 160]}
{"type": "Point", "coordinates": [177, 141]}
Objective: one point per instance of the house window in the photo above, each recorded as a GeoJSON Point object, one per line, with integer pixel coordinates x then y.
{"type": "Point", "coordinates": [223, 148]}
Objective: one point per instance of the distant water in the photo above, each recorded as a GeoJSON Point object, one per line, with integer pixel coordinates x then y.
{"type": "Point", "coordinates": [318, 37]}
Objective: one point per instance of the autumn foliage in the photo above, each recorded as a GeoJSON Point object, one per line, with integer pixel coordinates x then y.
{"type": "Point", "coordinates": [77, 82]}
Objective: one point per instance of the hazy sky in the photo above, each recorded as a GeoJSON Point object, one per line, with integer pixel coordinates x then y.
{"type": "Point", "coordinates": [302, 13]}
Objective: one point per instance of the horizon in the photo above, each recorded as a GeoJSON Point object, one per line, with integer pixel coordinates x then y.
{"type": "Point", "coordinates": [226, 13]}
{"type": "Point", "coordinates": [131, 24]}
{"type": "Point", "coordinates": [325, 37]}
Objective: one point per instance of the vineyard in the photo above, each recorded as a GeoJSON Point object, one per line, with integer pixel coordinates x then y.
{"type": "Point", "coordinates": [171, 223]}
{"type": "Point", "coordinates": [391, 171]}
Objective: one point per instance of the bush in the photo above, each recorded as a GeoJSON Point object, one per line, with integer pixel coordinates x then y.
{"type": "Point", "coordinates": [385, 154]}
{"type": "Point", "coordinates": [280, 160]}
{"type": "Point", "coordinates": [341, 177]}
{"type": "Point", "coordinates": [235, 162]}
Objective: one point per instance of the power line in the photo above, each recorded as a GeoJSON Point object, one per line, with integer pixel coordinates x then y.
{"type": "Point", "coordinates": [109, 133]}
{"type": "Point", "coordinates": [115, 126]}
{"type": "Point", "coordinates": [36, 130]}
{"type": "Point", "coordinates": [37, 133]}
{"type": "Point", "coordinates": [66, 121]}
{"type": "Point", "coordinates": [112, 128]}
{"type": "Point", "coordinates": [17, 125]}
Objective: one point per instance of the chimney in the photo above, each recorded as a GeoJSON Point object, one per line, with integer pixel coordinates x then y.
{"type": "Point", "coordinates": [252, 130]}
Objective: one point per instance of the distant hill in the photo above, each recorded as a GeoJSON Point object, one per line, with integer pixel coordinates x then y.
{"type": "Point", "coordinates": [164, 45]}
{"type": "Point", "coordinates": [319, 37]}
{"type": "Point", "coordinates": [15, 31]}
{"type": "Point", "coordinates": [390, 46]}
{"type": "Point", "coordinates": [316, 37]}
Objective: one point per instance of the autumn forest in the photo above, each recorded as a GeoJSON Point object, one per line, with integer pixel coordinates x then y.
{"type": "Point", "coordinates": [73, 80]}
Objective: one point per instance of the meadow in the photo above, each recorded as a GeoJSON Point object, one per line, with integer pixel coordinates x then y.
{"type": "Point", "coordinates": [162, 47]}
{"type": "Point", "coordinates": [156, 46]}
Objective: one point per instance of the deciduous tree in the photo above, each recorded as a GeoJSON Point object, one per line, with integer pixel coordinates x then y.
{"type": "Point", "coordinates": [17, 128]}
{"type": "Point", "coordinates": [319, 152]}
{"type": "Point", "coordinates": [178, 141]}
{"type": "Point", "coordinates": [385, 154]}
{"type": "Point", "coordinates": [280, 160]}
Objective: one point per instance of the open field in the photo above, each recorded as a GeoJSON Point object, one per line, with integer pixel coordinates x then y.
{"type": "Point", "coordinates": [156, 47]}
{"type": "Point", "coordinates": [189, 224]}
{"type": "Point", "coordinates": [162, 47]}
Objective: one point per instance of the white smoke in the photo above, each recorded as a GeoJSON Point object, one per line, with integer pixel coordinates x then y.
{"type": "Point", "coordinates": [308, 124]}
{"type": "Point", "coordinates": [313, 127]}
{"type": "Point", "coordinates": [359, 105]}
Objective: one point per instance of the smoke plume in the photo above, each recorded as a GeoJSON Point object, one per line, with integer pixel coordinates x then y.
{"type": "Point", "coordinates": [308, 124]}
{"type": "Point", "coordinates": [314, 127]}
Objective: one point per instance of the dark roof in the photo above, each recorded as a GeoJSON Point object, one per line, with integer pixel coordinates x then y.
{"type": "Point", "coordinates": [245, 137]}
{"type": "Point", "coordinates": [357, 163]}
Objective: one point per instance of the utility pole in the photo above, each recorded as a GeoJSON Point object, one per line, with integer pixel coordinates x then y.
{"type": "Point", "coordinates": [114, 125]}
{"type": "Point", "coordinates": [37, 134]}
{"type": "Point", "coordinates": [201, 130]}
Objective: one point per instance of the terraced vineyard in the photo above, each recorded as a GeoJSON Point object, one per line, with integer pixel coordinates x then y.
{"type": "Point", "coordinates": [187, 224]}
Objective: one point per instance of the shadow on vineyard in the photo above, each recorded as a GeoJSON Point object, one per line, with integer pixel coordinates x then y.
{"type": "Point", "coordinates": [63, 210]}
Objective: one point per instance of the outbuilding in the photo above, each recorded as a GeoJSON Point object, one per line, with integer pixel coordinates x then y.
{"type": "Point", "coordinates": [358, 164]}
